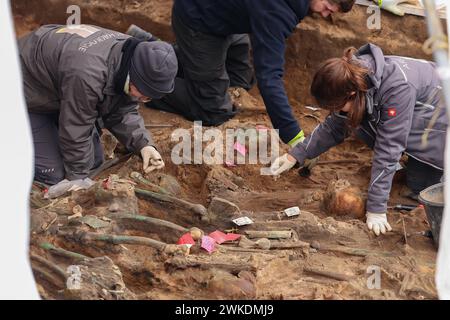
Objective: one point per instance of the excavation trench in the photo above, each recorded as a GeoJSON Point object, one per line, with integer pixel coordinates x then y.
{"type": "Point", "coordinates": [327, 256]}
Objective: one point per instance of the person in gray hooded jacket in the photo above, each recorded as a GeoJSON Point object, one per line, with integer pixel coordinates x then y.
{"type": "Point", "coordinates": [80, 78]}
{"type": "Point", "coordinates": [389, 103]}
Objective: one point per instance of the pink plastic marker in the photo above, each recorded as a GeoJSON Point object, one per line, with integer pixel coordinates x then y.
{"type": "Point", "coordinates": [209, 244]}
{"type": "Point", "coordinates": [186, 240]}
{"type": "Point", "coordinates": [233, 237]}
{"type": "Point", "coordinates": [240, 148]}
{"type": "Point", "coordinates": [219, 237]}
{"type": "Point", "coordinates": [107, 184]}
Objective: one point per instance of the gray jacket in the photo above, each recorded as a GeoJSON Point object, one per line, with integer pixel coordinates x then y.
{"type": "Point", "coordinates": [405, 94]}
{"type": "Point", "coordinates": [71, 71]}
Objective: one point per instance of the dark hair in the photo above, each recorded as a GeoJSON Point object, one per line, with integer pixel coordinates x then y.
{"type": "Point", "coordinates": [336, 81]}
{"type": "Point", "coordinates": [344, 5]}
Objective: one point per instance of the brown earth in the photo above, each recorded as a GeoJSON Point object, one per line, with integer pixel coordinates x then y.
{"type": "Point", "coordinates": [339, 244]}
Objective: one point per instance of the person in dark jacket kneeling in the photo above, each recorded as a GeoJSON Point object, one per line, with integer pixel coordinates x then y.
{"type": "Point", "coordinates": [80, 78]}
{"type": "Point", "coordinates": [388, 102]}
{"type": "Point", "coordinates": [213, 40]}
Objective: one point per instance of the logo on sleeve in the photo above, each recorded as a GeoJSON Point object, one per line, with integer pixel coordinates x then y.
{"type": "Point", "coordinates": [392, 112]}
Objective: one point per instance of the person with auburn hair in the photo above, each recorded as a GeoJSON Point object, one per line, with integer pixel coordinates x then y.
{"type": "Point", "coordinates": [389, 102]}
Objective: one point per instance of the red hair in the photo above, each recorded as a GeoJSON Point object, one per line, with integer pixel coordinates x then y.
{"type": "Point", "coordinates": [340, 80]}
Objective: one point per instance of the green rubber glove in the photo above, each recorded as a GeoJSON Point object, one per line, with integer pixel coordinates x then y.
{"type": "Point", "coordinates": [297, 139]}
{"type": "Point", "coordinates": [392, 5]}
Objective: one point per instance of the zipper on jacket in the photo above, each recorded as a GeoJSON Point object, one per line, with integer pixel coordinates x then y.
{"type": "Point", "coordinates": [362, 128]}
{"type": "Point", "coordinates": [373, 129]}
{"type": "Point", "coordinates": [377, 121]}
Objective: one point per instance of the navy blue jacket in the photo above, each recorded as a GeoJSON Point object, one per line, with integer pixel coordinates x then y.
{"type": "Point", "coordinates": [269, 23]}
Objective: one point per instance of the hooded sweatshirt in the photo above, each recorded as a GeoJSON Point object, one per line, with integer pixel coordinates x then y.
{"type": "Point", "coordinates": [404, 95]}
{"type": "Point", "coordinates": [269, 23]}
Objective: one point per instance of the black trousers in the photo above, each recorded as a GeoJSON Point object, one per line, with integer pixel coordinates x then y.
{"type": "Point", "coordinates": [48, 160]}
{"type": "Point", "coordinates": [209, 65]}
{"type": "Point", "coordinates": [420, 176]}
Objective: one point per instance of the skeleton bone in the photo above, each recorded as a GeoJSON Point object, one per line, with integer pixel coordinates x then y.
{"type": "Point", "coordinates": [198, 209]}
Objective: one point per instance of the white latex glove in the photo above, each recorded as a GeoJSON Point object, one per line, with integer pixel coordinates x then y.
{"type": "Point", "coordinates": [152, 159]}
{"type": "Point", "coordinates": [310, 164]}
{"type": "Point", "coordinates": [392, 5]}
{"type": "Point", "coordinates": [65, 186]}
{"type": "Point", "coordinates": [378, 223]}
{"type": "Point", "coordinates": [282, 164]}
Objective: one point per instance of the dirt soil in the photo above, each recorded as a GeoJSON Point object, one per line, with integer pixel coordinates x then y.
{"type": "Point", "coordinates": [333, 253]}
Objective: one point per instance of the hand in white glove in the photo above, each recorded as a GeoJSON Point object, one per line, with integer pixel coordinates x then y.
{"type": "Point", "coordinates": [392, 5]}
{"type": "Point", "coordinates": [282, 164]}
{"type": "Point", "coordinates": [378, 223]}
{"type": "Point", "coordinates": [65, 186]}
{"type": "Point", "coordinates": [152, 159]}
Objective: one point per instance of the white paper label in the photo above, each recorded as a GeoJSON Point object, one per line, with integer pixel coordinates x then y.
{"type": "Point", "coordinates": [244, 221]}
{"type": "Point", "coordinates": [292, 212]}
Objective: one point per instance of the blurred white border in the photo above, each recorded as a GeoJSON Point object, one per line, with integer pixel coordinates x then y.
{"type": "Point", "coordinates": [443, 262]}
{"type": "Point", "coordinates": [16, 165]}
